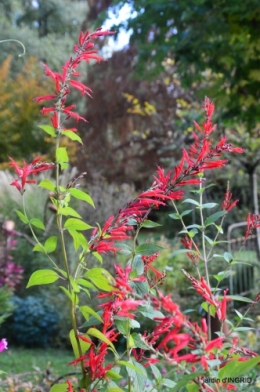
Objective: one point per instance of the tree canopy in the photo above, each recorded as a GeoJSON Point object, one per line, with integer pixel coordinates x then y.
{"type": "Point", "coordinates": [214, 44]}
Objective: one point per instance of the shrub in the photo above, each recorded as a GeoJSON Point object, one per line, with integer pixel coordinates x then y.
{"type": "Point", "coordinates": [33, 323]}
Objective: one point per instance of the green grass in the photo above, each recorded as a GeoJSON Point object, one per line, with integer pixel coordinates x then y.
{"type": "Point", "coordinates": [36, 366]}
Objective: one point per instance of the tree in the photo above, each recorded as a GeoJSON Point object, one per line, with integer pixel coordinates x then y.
{"type": "Point", "coordinates": [215, 44]}
{"type": "Point", "coordinates": [48, 29]}
{"type": "Point", "coordinates": [18, 112]}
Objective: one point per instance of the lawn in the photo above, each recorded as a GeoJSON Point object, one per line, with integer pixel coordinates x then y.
{"type": "Point", "coordinates": [33, 370]}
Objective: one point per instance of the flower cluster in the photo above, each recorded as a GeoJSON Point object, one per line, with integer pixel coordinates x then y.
{"type": "Point", "coordinates": [23, 172]}
{"type": "Point", "coordinates": [63, 81]}
{"type": "Point", "coordinates": [253, 222]}
{"type": "Point", "coordinates": [200, 157]}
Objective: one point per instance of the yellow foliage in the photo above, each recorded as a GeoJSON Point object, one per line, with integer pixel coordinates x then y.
{"type": "Point", "coordinates": [147, 110]}
{"type": "Point", "coordinates": [18, 111]}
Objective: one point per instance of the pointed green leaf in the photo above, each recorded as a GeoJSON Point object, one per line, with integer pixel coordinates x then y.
{"type": "Point", "coordinates": [79, 240]}
{"type": "Point", "coordinates": [125, 250]}
{"type": "Point", "coordinates": [209, 205]}
{"type": "Point", "coordinates": [59, 388]}
{"type": "Point", "coordinates": [85, 283]}
{"type": "Point", "coordinates": [131, 366]}
{"type": "Point", "coordinates": [228, 257]}
{"type": "Point", "coordinates": [39, 248]}
{"type": "Point", "coordinates": [212, 218]}
{"type": "Point", "coordinates": [50, 244]}
{"type": "Point", "coordinates": [150, 224]}
{"type": "Point", "coordinates": [175, 216]}
{"type": "Point", "coordinates": [22, 216]}
{"type": "Point", "coordinates": [47, 184]}
{"type": "Point", "coordinates": [43, 276]}
{"type": "Point", "coordinates": [185, 380]}
{"type": "Point", "coordinates": [76, 224]}
{"type": "Point", "coordinates": [68, 211]}
{"type": "Point", "coordinates": [61, 155]}
{"type": "Point", "coordinates": [72, 135]}
{"type": "Point", "coordinates": [113, 376]}
{"type": "Point", "coordinates": [84, 345]}
{"type": "Point", "coordinates": [98, 256]}
{"type": "Point", "coordinates": [114, 389]}
{"type": "Point", "coordinates": [148, 249]}
{"type": "Point", "coordinates": [186, 212]}
{"type": "Point", "coordinates": [37, 223]}
{"type": "Point", "coordinates": [72, 296]}
{"type": "Point", "coordinates": [138, 341]}
{"type": "Point", "coordinates": [100, 278]}
{"type": "Point", "coordinates": [237, 368]}
{"type": "Point", "coordinates": [191, 201]}
{"type": "Point", "coordinates": [48, 129]}
{"type": "Point", "coordinates": [78, 194]}
{"type": "Point", "coordinates": [99, 335]}
{"type": "Point", "coordinates": [87, 311]}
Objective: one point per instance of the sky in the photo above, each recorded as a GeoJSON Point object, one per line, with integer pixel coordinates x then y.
{"type": "Point", "coordinates": [123, 36]}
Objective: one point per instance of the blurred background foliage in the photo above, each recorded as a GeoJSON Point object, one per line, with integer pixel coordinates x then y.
{"type": "Point", "coordinates": [144, 101]}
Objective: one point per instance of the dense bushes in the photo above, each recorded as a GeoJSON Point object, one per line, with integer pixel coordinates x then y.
{"type": "Point", "coordinates": [33, 323]}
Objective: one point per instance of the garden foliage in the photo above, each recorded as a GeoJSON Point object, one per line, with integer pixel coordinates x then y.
{"type": "Point", "coordinates": [186, 349]}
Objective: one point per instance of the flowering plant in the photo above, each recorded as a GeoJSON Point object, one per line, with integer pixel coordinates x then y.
{"type": "Point", "coordinates": [134, 289]}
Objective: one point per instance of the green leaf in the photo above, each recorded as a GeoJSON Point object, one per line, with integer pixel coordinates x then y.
{"type": "Point", "coordinates": [209, 205]}
{"type": "Point", "coordinates": [43, 276]}
{"type": "Point", "coordinates": [168, 383]}
{"type": "Point", "coordinates": [191, 201]}
{"type": "Point", "coordinates": [125, 250]}
{"type": "Point", "coordinates": [101, 279]}
{"type": "Point", "coordinates": [239, 298]}
{"type": "Point", "coordinates": [149, 312]}
{"type": "Point", "coordinates": [72, 135]}
{"type": "Point", "coordinates": [209, 240]}
{"type": "Point", "coordinates": [179, 251]}
{"type": "Point", "coordinates": [99, 335]}
{"type": "Point", "coordinates": [212, 218]}
{"type": "Point", "coordinates": [62, 157]}
{"type": "Point", "coordinates": [156, 372]}
{"type": "Point", "coordinates": [47, 184]}
{"type": "Point", "coordinates": [113, 376]}
{"type": "Point", "coordinates": [39, 248]}
{"type": "Point", "coordinates": [175, 216]}
{"type": "Point", "coordinates": [48, 129]}
{"type": "Point", "coordinates": [122, 326]}
{"type": "Point", "coordinates": [237, 368]}
{"type": "Point", "coordinates": [78, 240]}
{"type": "Point", "coordinates": [139, 342]}
{"type": "Point", "coordinates": [98, 256]}
{"type": "Point", "coordinates": [76, 224]}
{"type": "Point", "coordinates": [186, 212]}
{"type": "Point", "coordinates": [50, 244]}
{"type": "Point", "coordinates": [243, 329]}
{"type": "Point", "coordinates": [150, 224]}
{"type": "Point", "coordinates": [59, 388]}
{"type": "Point", "coordinates": [228, 257]}
{"type": "Point", "coordinates": [141, 288]}
{"type": "Point", "coordinates": [37, 223]}
{"type": "Point", "coordinates": [185, 380]}
{"type": "Point", "coordinates": [192, 233]}
{"type": "Point", "coordinates": [78, 194]}
{"type": "Point", "coordinates": [207, 307]}
{"type": "Point", "coordinates": [22, 216]}
{"type": "Point", "coordinates": [131, 366]}
{"type": "Point", "coordinates": [84, 345]}
{"type": "Point", "coordinates": [148, 249]}
{"type": "Point", "coordinates": [72, 296]}
{"type": "Point", "coordinates": [138, 375]}
{"type": "Point", "coordinates": [68, 211]}
{"type": "Point", "coordinates": [138, 265]}
{"type": "Point", "coordinates": [85, 283]}
{"type": "Point", "coordinates": [87, 311]}
{"type": "Point", "coordinates": [114, 389]}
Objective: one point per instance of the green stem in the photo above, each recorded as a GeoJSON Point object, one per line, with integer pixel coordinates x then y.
{"type": "Point", "coordinates": [205, 260]}
{"type": "Point", "coordinates": [65, 260]}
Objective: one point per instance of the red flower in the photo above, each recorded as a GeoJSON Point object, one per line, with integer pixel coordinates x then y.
{"type": "Point", "coordinates": [23, 172]}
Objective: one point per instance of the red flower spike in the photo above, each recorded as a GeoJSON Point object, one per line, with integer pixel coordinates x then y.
{"type": "Point", "coordinates": [23, 172]}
